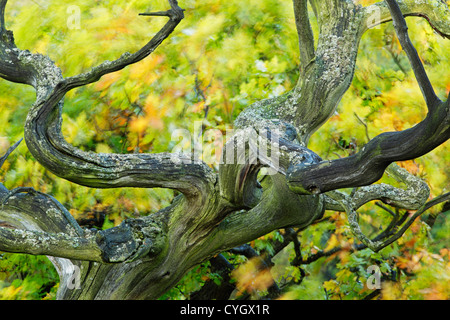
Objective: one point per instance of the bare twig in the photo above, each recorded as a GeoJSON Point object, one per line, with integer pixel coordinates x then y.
{"type": "Point", "coordinates": [392, 213]}
{"type": "Point", "coordinates": [364, 124]}
{"type": "Point", "coordinates": [425, 207]}
{"type": "Point", "coordinates": [157, 14]}
{"type": "Point", "coordinates": [168, 13]}
{"type": "Point", "coordinates": [43, 243]}
{"type": "Point", "coordinates": [175, 14]}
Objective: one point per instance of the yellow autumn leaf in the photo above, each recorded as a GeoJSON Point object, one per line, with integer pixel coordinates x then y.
{"type": "Point", "coordinates": [391, 290]}
{"type": "Point", "coordinates": [251, 277]}
{"type": "Point", "coordinates": [331, 285]}
{"type": "Point", "coordinates": [290, 295]}
{"type": "Point", "coordinates": [145, 70]}
{"type": "Point", "coordinates": [366, 2]}
{"type": "Point", "coordinates": [42, 44]}
{"type": "Point", "coordinates": [197, 107]}
{"type": "Point", "coordinates": [9, 293]}
{"type": "Point", "coordinates": [332, 243]}
{"type": "Point", "coordinates": [103, 148]}
{"type": "Point", "coordinates": [139, 125]}
{"type": "Point", "coordinates": [75, 213]}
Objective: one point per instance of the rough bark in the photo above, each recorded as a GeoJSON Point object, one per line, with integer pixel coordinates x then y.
{"type": "Point", "coordinates": [368, 165]}
{"type": "Point", "coordinates": [216, 211]}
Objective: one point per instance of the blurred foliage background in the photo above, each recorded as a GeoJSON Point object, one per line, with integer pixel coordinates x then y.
{"type": "Point", "coordinates": [223, 56]}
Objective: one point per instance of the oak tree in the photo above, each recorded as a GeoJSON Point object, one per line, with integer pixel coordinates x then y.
{"type": "Point", "coordinates": [267, 180]}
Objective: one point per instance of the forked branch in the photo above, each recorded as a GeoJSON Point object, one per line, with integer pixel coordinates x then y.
{"type": "Point", "coordinates": [175, 14]}
{"type": "Point", "coordinates": [387, 237]}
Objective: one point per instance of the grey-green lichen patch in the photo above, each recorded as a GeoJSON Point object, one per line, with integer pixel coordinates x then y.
{"type": "Point", "coordinates": [273, 115]}
{"type": "Point", "coordinates": [338, 43]}
{"type": "Point", "coordinates": [152, 233]}
{"type": "Point", "coordinates": [133, 239]}
{"type": "Point", "coordinates": [46, 74]}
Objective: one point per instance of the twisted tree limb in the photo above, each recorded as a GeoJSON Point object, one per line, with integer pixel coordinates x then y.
{"type": "Point", "coordinates": [368, 165]}
{"type": "Point", "coordinates": [389, 236]}
{"type": "Point", "coordinates": [208, 218]}
{"type": "Point", "coordinates": [175, 14]}
{"type": "Point", "coordinates": [43, 127]}
{"type": "Point", "coordinates": [134, 238]}
{"type": "Point", "coordinates": [41, 222]}
{"type": "Point", "coordinates": [47, 144]}
{"type": "Point", "coordinates": [412, 197]}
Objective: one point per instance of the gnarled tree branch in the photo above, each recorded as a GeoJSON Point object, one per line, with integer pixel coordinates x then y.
{"type": "Point", "coordinates": [386, 238]}
{"type": "Point", "coordinates": [45, 141]}
{"type": "Point", "coordinates": [215, 213]}
{"type": "Point", "coordinates": [132, 240]}
{"type": "Point", "coordinates": [368, 165]}
{"type": "Point", "coordinates": [412, 197]}
{"type": "Point", "coordinates": [304, 31]}
{"type": "Point", "coordinates": [42, 243]}
{"type": "Point", "coordinates": [135, 240]}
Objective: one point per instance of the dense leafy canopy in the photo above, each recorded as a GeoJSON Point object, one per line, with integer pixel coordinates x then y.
{"type": "Point", "coordinates": [224, 56]}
